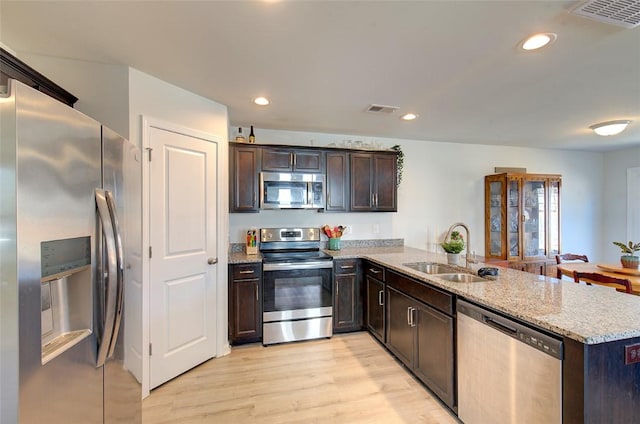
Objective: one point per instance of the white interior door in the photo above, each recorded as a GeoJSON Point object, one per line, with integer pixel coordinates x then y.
{"type": "Point", "coordinates": [182, 266]}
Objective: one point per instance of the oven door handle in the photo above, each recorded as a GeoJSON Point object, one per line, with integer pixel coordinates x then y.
{"type": "Point", "coordinates": [297, 265]}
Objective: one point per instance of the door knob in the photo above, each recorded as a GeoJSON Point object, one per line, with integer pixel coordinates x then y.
{"type": "Point", "coordinates": [212, 261]}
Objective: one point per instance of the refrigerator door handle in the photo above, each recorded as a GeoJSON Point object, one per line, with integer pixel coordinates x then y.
{"type": "Point", "coordinates": [120, 273]}
{"type": "Point", "coordinates": [112, 270]}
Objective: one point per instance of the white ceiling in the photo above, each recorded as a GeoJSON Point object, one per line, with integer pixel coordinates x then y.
{"type": "Point", "coordinates": [455, 63]}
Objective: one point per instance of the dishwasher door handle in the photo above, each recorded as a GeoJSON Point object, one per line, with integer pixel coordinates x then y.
{"type": "Point", "coordinates": [500, 326]}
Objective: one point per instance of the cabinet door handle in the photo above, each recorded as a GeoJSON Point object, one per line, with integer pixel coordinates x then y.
{"type": "Point", "coordinates": [247, 272]}
{"type": "Point", "coordinates": [374, 271]}
{"type": "Point", "coordinates": [292, 160]}
{"type": "Point", "coordinates": [256, 290]}
{"type": "Point", "coordinates": [346, 266]}
{"type": "Point", "coordinates": [380, 298]}
{"type": "Point", "coordinates": [410, 317]}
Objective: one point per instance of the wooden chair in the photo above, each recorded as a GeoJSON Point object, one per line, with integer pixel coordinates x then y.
{"type": "Point", "coordinates": [569, 257]}
{"type": "Point", "coordinates": [620, 284]}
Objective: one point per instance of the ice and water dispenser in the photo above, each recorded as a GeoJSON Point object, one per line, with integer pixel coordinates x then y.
{"type": "Point", "coordinates": [66, 294]}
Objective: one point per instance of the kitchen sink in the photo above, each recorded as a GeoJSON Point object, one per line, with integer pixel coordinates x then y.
{"type": "Point", "coordinates": [431, 267]}
{"type": "Point", "coordinates": [461, 278]}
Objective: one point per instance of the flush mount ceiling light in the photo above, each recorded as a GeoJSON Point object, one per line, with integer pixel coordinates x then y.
{"type": "Point", "coordinates": [537, 41]}
{"type": "Point", "coordinates": [610, 127]}
{"type": "Point", "coordinates": [261, 101]}
{"type": "Point", "coordinates": [409, 116]}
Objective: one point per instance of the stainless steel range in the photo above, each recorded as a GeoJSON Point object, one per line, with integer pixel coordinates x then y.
{"type": "Point", "coordinates": [297, 285]}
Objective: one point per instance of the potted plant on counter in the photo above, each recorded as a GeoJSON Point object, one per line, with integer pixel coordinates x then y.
{"type": "Point", "coordinates": [628, 258]}
{"type": "Point", "coordinates": [453, 247]}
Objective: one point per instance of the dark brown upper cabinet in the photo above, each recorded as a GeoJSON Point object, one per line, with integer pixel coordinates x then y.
{"type": "Point", "coordinates": [299, 160]}
{"type": "Point", "coordinates": [337, 186]}
{"type": "Point", "coordinates": [244, 165]}
{"type": "Point", "coordinates": [373, 182]}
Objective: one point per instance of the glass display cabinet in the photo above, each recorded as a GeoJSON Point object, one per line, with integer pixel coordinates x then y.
{"type": "Point", "coordinates": [522, 221]}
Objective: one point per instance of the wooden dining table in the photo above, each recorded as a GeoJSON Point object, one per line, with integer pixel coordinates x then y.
{"type": "Point", "coordinates": [567, 268]}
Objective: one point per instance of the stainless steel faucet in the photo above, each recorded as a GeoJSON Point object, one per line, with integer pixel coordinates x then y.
{"type": "Point", "coordinates": [469, 260]}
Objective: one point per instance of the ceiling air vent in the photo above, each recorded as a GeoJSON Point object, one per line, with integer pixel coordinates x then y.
{"type": "Point", "coordinates": [382, 109]}
{"type": "Point", "coordinates": [625, 13]}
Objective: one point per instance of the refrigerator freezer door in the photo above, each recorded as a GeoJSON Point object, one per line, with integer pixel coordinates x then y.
{"type": "Point", "coordinates": [122, 176]}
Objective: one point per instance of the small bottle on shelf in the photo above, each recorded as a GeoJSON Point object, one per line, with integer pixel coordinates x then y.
{"type": "Point", "coordinates": [252, 137]}
{"type": "Point", "coordinates": [240, 136]}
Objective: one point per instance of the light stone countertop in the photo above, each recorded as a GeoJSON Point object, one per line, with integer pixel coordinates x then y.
{"type": "Point", "coordinates": [588, 314]}
{"type": "Point", "coordinates": [243, 258]}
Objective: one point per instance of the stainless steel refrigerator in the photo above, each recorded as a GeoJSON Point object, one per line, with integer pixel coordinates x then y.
{"type": "Point", "coordinates": [70, 256]}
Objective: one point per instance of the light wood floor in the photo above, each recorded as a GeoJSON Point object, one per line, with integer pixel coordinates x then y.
{"type": "Point", "coordinates": [346, 379]}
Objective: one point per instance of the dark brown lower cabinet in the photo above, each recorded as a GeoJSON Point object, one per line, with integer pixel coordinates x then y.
{"type": "Point", "coordinates": [347, 302]}
{"type": "Point", "coordinates": [434, 357]}
{"type": "Point", "coordinates": [422, 338]}
{"type": "Point", "coordinates": [375, 307]}
{"type": "Point", "coordinates": [400, 332]}
{"type": "Point", "coordinates": [245, 311]}
{"type": "Point", "coordinates": [598, 385]}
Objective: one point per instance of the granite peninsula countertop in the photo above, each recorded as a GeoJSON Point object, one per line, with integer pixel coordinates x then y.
{"type": "Point", "coordinates": [588, 314]}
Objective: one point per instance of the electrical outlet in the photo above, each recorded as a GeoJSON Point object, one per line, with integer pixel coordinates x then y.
{"type": "Point", "coordinates": [376, 228]}
{"type": "Point", "coordinates": [632, 354]}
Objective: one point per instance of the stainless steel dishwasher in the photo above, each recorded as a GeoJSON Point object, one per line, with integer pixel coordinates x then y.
{"type": "Point", "coordinates": [507, 371]}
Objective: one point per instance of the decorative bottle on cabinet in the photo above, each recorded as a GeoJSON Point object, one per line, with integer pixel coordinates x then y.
{"type": "Point", "coordinates": [252, 137]}
{"type": "Point", "coordinates": [240, 136]}
{"type": "Point", "coordinates": [522, 221]}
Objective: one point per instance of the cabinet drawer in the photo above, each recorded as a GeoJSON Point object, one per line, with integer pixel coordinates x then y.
{"type": "Point", "coordinates": [345, 266]}
{"type": "Point", "coordinates": [245, 271]}
{"type": "Point", "coordinates": [440, 300]}
{"type": "Point", "coordinates": [375, 271]}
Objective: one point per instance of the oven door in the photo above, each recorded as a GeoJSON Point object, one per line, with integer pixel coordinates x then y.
{"type": "Point", "coordinates": [297, 301]}
{"type": "Point", "coordinates": [297, 291]}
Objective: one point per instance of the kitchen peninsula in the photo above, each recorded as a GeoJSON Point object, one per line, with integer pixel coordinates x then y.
{"type": "Point", "coordinates": [594, 323]}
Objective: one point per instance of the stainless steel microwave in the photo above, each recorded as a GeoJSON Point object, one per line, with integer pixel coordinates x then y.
{"type": "Point", "coordinates": [291, 190]}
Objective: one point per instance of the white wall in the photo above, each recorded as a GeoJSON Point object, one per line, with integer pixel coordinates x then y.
{"type": "Point", "coordinates": [150, 97]}
{"type": "Point", "coordinates": [102, 90]}
{"type": "Point", "coordinates": [158, 99]}
{"type": "Point", "coordinates": [444, 183]}
{"type": "Point", "coordinates": [614, 226]}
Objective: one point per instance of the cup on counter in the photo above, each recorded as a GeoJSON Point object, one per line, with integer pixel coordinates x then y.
{"type": "Point", "coordinates": [334, 244]}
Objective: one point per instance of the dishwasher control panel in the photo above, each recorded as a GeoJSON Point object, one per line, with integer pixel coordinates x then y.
{"type": "Point", "coordinates": [538, 342]}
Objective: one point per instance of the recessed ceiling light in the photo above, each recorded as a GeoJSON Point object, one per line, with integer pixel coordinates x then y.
{"type": "Point", "coordinates": [537, 41]}
{"type": "Point", "coordinates": [261, 101]}
{"type": "Point", "coordinates": [610, 127]}
{"type": "Point", "coordinates": [409, 116]}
